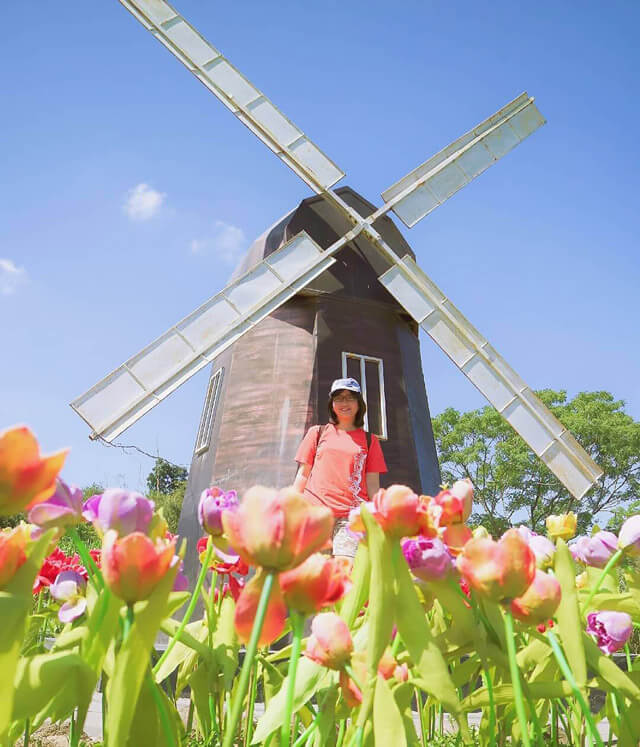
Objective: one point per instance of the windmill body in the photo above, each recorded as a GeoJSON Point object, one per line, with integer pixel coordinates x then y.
{"type": "Point", "coordinates": [333, 285]}
{"type": "Point", "coordinates": [267, 388]}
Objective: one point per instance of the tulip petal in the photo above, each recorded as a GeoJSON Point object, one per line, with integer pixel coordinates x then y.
{"type": "Point", "coordinates": [247, 606]}
{"type": "Point", "coordinates": [72, 609]}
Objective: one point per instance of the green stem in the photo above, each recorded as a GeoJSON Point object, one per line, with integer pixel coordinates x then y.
{"type": "Point", "coordinates": [253, 689]}
{"type": "Point", "coordinates": [349, 670]}
{"type": "Point", "coordinates": [492, 706]}
{"type": "Point", "coordinates": [190, 609]}
{"type": "Point", "coordinates": [423, 732]}
{"type": "Point", "coordinates": [27, 733]}
{"type": "Point", "coordinates": [249, 656]}
{"type": "Point", "coordinates": [127, 622]}
{"type": "Point", "coordinates": [156, 693]}
{"type": "Point", "coordinates": [341, 729]}
{"type": "Point", "coordinates": [627, 652]}
{"type": "Point", "coordinates": [74, 736]}
{"type": "Point", "coordinates": [189, 725]}
{"type": "Point", "coordinates": [515, 676]}
{"type": "Point", "coordinates": [306, 733]}
{"type": "Point", "coordinates": [297, 626]}
{"type": "Point", "coordinates": [103, 694]}
{"type": "Point", "coordinates": [613, 560]}
{"type": "Point", "coordinates": [554, 722]}
{"type": "Point", "coordinates": [95, 576]}
{"type": "Point", "coordinates": [568, 674]}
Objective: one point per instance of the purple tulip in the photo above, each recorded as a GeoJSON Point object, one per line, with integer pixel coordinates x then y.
{"type": "Point", "coordinates": [543, 548]}
{"type": "Point", "coordinates": [69, 588]}
{"type": "Point", "coordinates": [63, 508]}
{"type": "Point", "coordinates": [213, 502]}
{"type": "Point", "coordinates": [610, 629]}
{"type": "Point", "coordinates": [594, 551]}
{"type": "Point", "coordinates": [181, 582]}
{"type": "Point", "coordinates": [122, 510]}
{"type": "Point", "coordinates": [428, 559]}
{"type": "Point", "coordinates": [629, 537]}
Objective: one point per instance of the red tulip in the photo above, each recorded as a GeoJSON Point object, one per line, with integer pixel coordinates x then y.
{"type": "Point", "coordinates": [26, 478]}
{"type": "Point", "coordinates": [133, 565]}
{"type": "Point", "coordinates": [330, 641]}
{"type": "Point", "coordinates": [498, 570]}
{"type": "Point", "coordinates": [319, 581]}
{"type": "Point", "coordinates": [12, 552]}
{"type": "Point", "coordinates": [539, 602]}
{"type": "Point", "coordinates": [247, 606]}
{"type": "Point", "coordinates": [277, 529]}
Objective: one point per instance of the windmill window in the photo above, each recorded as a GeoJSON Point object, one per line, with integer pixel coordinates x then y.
{"type": "Point", "coordinates": [369, 372]}
{"type": "Point", "coordinates": [209, 411]}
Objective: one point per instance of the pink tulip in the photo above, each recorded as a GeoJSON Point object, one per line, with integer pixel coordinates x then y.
{"type": "Point", "coordinates": [539, 602]}
{"type": "Point", "coordinates": [318, 581]}
{"type": "Point", "coordinates": [133, 565]}
{"type": "Point", "coordinates": [463, 489]}
{"type": "Point", "coordinates": [26, 478]}
{"type": "Point", "coordinates": [543, 548]}
{"type": "Point", "coordinates": [594, 551]}
{"type": "Point", "coordinates": [629, 537]}
{"type": "Point", "coordinates": [330, 641]}
{"type": "Point", "coordinates": [610, 629]}
{"type": "Point", "coordinates": [498, 570]}
{"type": "Point", "coordinates": [451, 508]}
{"type": "Point", "coordinates": [69, 588]}
{"type": "Point", "coordinates": [402, 513]}
{"type": "Point", "coordinates": [123, 510]}
{"type": "Point", "coordinates": [213, 502]}
{"type": "Point", "coordinates": [13, 543]}
{"type": "Point", "coordinates": [455, 537]}
{"type": "Point", "coordinates": [63, 508]}
{"type": "Point", "coordinates": [277, 529]}
{"type": "Point", "coordinates": [428, 559]}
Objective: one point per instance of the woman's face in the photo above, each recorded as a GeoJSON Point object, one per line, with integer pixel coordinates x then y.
{"type": "Point", "coordinates": [345, 406]}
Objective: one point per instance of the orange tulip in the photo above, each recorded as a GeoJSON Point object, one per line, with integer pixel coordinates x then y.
{"type": "Point", "coordinates": [134, 564]}
{"type": "Point", "coordinates": [539, 602]}
{"type": "Point", "coordinates": [247, 606]}
{"type": "Point", "coordinates": [12, 552]}
{"type": "Point", "coordinates": [498, 570]}
{"type": "Point", "coordinates": [276, 529]}
{"type": "Point", "coordinates": [26, 478]}
{"type": "Point", "coordinates": [330, 641]}
{"type": "Point", "coordinates": [402, 513]}
{"type": "Point", "coordinates": [451, 508]}
{"type": "Point", "coordinates": [319, 581]}
{"type": "Point", "coordinates": [456, 536]}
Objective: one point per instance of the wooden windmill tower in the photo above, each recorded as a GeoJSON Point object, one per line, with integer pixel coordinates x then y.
{"type": "Point", "coordinates": [331, 289]}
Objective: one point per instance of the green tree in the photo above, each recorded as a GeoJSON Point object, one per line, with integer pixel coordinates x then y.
{"type": "Point", "coordinates": [513, 486]}
{"type": "Point", "coordinates": [166, 477]}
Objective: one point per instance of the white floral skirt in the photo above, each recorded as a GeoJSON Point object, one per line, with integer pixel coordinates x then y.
{"type": "Point", "coordinates": [344, 541]}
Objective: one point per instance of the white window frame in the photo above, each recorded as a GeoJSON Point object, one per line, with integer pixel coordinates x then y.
{"type": "Point", "coordinates": [363, 385]}
{"type": "Point", "coordinates": [209, 411]}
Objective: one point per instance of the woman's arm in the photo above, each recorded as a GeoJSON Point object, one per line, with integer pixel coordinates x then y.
{"type": "Point", "coordinates": [300, 483]}
{"type": "Point", "coordinates": [373, 483]}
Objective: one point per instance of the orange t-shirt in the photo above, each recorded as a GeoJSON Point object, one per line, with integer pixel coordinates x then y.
{"type": "Point", "coordinates": [339, 466]}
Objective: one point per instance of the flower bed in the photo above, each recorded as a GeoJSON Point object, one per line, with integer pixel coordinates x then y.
{"type": "Point", "coordinates": [431, 622]}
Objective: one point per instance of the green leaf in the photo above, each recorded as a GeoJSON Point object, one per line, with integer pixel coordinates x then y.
{"type": "Point", "coordinates": [146, 727]}
{"type": "Point", "coordinates": [354, 601]}
{"type": "Point", "coordinates": [15, 605]}
{"type": "Point", "coordinates": [132, 661]}
{"type": "Point", "coordinates": [568, 614]}
{"type": "Point", "coordinates": [199, 684]}
{"type": "Point", "coordinates": [191, 639]}
{"type": "Point", "coordinates": [225, 642]}
{"type": "Point", "coordinates": [388, 727]}
{"type": "Point", "coordinates": [309, 677]}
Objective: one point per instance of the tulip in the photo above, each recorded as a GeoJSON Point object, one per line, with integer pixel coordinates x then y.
{"type": "Point", "coordinates": [543, 548]}
{"type": "Point", "coordinates": [388, 667]}
{"type": "Point", "coordinates": [611, 630]}
{"type": "Point", "coordinates": [481, 532]}
{"type": "Point", "coordinates": [402, 513]}
{"type": "Point", "coordinates": [125, 511]}
{"type": "Point", "coordinates": [213, 502]}
{"type": "Point", "coordinates": [629, 537]}
{"type": "Point", "coordinates": [594, 551]}
{"type": "Point", "coordinates": [247, 606]}
{"type": "Point", "coordinates": [463, 489]}
{"type": "Point", "coordinates": [319, 581]}
{"type": "Point", "coordinates": [133, 565]}
{"type": "Point", "coordinates": [26, 478]}
{"type": "Point", "coordinates": [330, 641]}
{"type": "Point", "coordinates": [276, 529]}
{"type": "Point", "coordinates": [539, 602]}
{"type": "Point", "coordinates": [69, 588]}
{"type": "Point", "coordinates": [13, 543]}
{"type": "Point", "coordinates": [63, 508]}
{"type": "Point", "coordinates": [562, 526]}
{"type": "Point", "coordinates": [451, 507]}
{"type": "Point", "coordinates": [428, 559]}
{"type": "Point", "coordinates": [350, 690]}
{"type": "Point", "coordinates": [455, 537]}
{"type": "Point", "coordinates": [498, 570]}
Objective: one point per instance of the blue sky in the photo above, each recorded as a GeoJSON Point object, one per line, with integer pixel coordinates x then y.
{"type": "Point", "coordinates": [129, 191]}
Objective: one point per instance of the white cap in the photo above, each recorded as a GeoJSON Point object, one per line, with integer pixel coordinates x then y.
{"type": "Point", "coordinates": [349, 384]}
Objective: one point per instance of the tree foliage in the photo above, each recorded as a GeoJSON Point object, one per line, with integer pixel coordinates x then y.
{"type": "Point", "coordinates": [166, 477]}
{"type": "Point", "coordinates": [513, 486]}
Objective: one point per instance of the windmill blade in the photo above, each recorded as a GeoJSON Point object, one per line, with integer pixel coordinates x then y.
{"type": "Point", "coordinates": [139, 384]}
{"type": "Point", "coordinates": [428, 186]}
{"type": "Point", "coordinates": [492, 375]}
{"type": "Point", "coordinates": [238, 94]}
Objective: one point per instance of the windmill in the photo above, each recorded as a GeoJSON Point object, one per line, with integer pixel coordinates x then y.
{"type": "Point", "coordinates": [283, 283]}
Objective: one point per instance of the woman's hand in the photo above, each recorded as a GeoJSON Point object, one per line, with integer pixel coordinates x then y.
{"type": "Point", "coordinates": [373, 483]}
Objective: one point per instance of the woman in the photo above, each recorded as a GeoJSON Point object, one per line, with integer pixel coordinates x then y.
{"type": "Point", "coordinates": [340, 463]}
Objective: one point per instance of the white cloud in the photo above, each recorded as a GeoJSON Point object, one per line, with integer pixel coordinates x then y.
{"type": "Point", "coordinates": [11, 276]}
{"type": "Point", "coordinates": [143, 202]}
{"type": "Point", "coordinates": [227, 242]}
